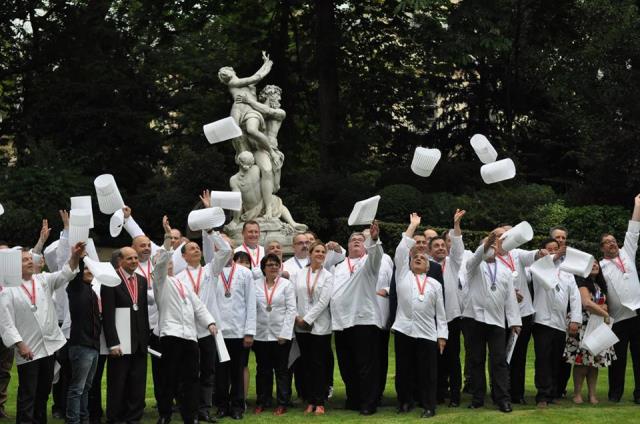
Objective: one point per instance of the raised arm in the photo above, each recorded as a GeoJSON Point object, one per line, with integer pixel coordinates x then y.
{"type": "Point", "coordinates": [631, 237]}
{"type": "Point", "coordinates": [58, 279]}
{"type": "Point", "coordinates": [162, 258]}
{"type": "Point", "coordinates": [44, 235]}
{"type": "Point", "coordinates": [255, 78]}
{"type": "Point", "coordinates": [456, 254]}
{"type": "Point", "coordinates": [133, 229]}
{"type": "Point", "coordinates": [374, 250]}
{"type": "Point", "coordinates": [63, 252]}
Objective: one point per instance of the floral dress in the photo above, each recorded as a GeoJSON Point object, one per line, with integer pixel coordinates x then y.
{"type": "Point", "coordinates": [576, 355]}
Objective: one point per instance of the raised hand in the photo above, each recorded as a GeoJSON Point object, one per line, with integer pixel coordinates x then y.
{"type": "Point", "coordinates": [414, 220]}
{"type": "Point", "coordinates": [64, 216]}
{"type": "Point", "coordinates": [165, 225]}
{"type": "Point", "coordinates": [374, 230]}
{"type": "Point", "coordinates": [205, 197]}
{"type": "Point", "coordinates": [458, 216]}
{"type": "Point", "coordinates": [127, 212]}
{"type": "Point", "coordinates": [44, 231]}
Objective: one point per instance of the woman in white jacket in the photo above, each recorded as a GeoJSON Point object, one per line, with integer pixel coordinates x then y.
{"type": "Point", "coordinates": [314, 286]}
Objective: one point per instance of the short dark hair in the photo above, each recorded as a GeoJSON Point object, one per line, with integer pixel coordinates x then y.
{"type": "Point", "coordinates": [183, 249]}
{"type": "Point", "coordinates": [250, 222]}
{"type": "Point", "coordinates": [240, 255]}
{"type": "Point", "coordinates": [432, 239]}
{"type": "Point", "coordinates": [116, 255]}
{"type": "Point", "coordinates": [269, 257]}
{"type": "Point", "coordinates": [543, 244]}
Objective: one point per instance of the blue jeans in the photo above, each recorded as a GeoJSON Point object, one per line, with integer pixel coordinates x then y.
{"type": "Point", "coordinates": [84, 361]}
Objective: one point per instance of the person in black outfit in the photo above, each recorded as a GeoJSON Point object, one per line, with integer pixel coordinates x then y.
{"type": "Point", "coordinates": [84, 343]}
{"type": "Point", "coordinates": [126, 374]}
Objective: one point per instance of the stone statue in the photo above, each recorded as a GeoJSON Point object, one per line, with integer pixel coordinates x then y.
{"type": "Point", "coordinates": [257, 154]}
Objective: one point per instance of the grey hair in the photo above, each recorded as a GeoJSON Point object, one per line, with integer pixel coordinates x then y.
{"type": "Point", "coordinates": [558, 227]}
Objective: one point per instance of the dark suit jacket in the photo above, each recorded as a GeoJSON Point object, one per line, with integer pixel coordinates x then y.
{"type": "Point", "coordinates": [435, 272]}
{"type": "Point", "coordinates": [118, 297]}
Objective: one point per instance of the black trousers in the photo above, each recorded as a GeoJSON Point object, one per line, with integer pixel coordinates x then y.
{"type": "Point", "coordinates": [179, 377]}
{"type": "Point", "coordinates": [331, 362]}
{"type": "Point", "coordinates": [126, 386]}
{"type": "Point", "coordinates": [272, 358]}
{"type": "Point", "coordinates": [416, 358]}
{"type": "Point", "coordinates": [518, 364]}
{"type": "Point", "coordinates": [34, 385]}
{"type": "Point", "coordinates": [154, 343]}
{"type": "Point", "coordinates": [384, 361]}
{"type": "Point", "coordinates": [60, 389]}
{"type": "Point", "coordinates": [95, 393]}
{"type": "Point", "coordinates": [482, 336]}
{"type": "Point", "coordinates": [451, 369]}
{"type": "Point", "coordinates": [467, 327]}
{"type": "Point", "coordinates": [208, 355]}
{"type": "Point", "coordinates": [549, 346]}
{"type": "Point", "coordinates": [229, 381]}
{"type": "Point", "coordinates": [628, 331]}
{"type": "Point", "coordinates": [314, 350]}
{"type": "Point", "coordinates": [357, 350]}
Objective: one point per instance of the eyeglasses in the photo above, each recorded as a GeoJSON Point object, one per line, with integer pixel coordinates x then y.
{"type": "Point", "coordinates": [302, 242]}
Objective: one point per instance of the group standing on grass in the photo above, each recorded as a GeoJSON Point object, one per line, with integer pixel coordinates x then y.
{"type": "Point", "coordinates": [186, 302]}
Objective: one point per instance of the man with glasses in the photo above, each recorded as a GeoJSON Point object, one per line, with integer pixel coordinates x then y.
{"type": "Point", "coordinates": [300, 257]}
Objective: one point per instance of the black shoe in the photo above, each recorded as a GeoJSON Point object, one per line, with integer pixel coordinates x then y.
{"type": "Point", "coordinates": [637, 401]}
{"type": "Point", "coordinates": [206, 418]}
{"type": "Point", "coordinates": [350, 406]}
{"type": "Point", "coordinates": [221, 413]}
{"type": "Point", "coordinates": [367, 411]}
{"type": "Point", "coordinates": [614, 399]}
{"type": "Point", "coordinates": [404, 408]}
{"type": "Point", "coordinates": [58, 415]}
{"type": "Point", "coordinates": [236, 415]}
{"type": "Point", "coordinates": [454, 404]}
{"type": "Point", "coordinates": [505, 407]}
{"type": "Point", "coordinates": [164, 420]}
{"type": "Point", "coordinates": [466, 389]}
{"type": "Point", "coordinates": [475, 406]}
{"type": "Point", "coordinates": [428, 413]}
{"type": "Point", "coordinates": [520, 401]}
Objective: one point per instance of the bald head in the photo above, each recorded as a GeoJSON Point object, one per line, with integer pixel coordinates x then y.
{"type": "Point", "coordinates": [142, 246]}
{"type": "Point", "coordinates": [176, 238]}
{"type": "Point", "coordinates": [129, 259]}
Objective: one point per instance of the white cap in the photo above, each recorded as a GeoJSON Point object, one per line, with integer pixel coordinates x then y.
{"type": "Point", "coordinates": [11, 267]}
{"type": "Point", "coordinates": [600, 339]}
{"type": "Point", "coordinates": [103, 272]}
{"type": "Point", "coordinates": [116, 223]}
{"type": "Point", "coordinates": [544, 271]}
{"type": "Point", "coordinates": [207, 218]}
{"type": "Point", "coordinates": [364, 211]}
{"type": "Point", "coordinates": [424, 161]}
{"type": "Point", "coordinates": [498, 171]}
{"type": "Point", "coordinates": [485, 151]}
{"type": "Point", "coordinates": [109, 198]}
{"type": "Point", "coordinates": [83, 202]}
{"type": "Point", "coordinates": [577, 262]}
{"type": "Point", "coordinates": [79, 220]}
{"type": "Point", "coordinates": [517, 236]}
{"type": "Point", "coordinates": [231, 200]}
{"type": "Point", "coordinates": [91, 249]}
{"type": "Point", "coordinates": [51, 256]}
{"type": "Point", "coordinates": [222, 130]}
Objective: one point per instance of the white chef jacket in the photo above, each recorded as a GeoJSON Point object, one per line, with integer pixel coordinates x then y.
{"type": "Point", "coordinates": [236, 315]}
{"type": "Point", "coordinates": [424, 319]}
{"type": "Point", "coordinates": [453, 294]}
{"type": "Point", "coordinates": [316, 312]}
{"type": "Point", "coordinates": [487, 305]}
{"type": "Point", "coordinates": [179, 307]}
{"type": "Point", "coordinates": [208, 280]}
{"type": "Point", "coordinates": [384, 282]}
{"type": "Point", "coordinates": [353, 301]}
{"type": "Point", "coordinates": [293, 265]}
{"type": "Point", "coordinates": [279, 322]}
{"type": "Point", "coordinates": [522, 259]}
{"type": "Point", "coordinates": [620, 286]}
{"type": "Point", "coordinates": [551, 304]}
{"type": "Point", "coordinates": [37, 329]}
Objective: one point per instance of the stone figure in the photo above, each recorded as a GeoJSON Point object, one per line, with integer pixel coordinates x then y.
{"type": "Point", "coordinates": [247, 182]}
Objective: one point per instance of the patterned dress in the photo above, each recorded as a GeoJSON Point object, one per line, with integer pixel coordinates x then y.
{"type": "Point", "coordinates": [576, 355]}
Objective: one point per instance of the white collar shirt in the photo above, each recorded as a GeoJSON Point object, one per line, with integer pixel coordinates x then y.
{"type": "Point", "coordinates": [146, 270]}
{"type": "Point", "coordinates": [314, 309]}
{"type": "Point", "coordinates": [353, 301]}
{"type": "Point", "coordinates": [419, 315]}
{"type": "Point", "coordinates": [490, 302]}
{"type": "Point", "coordinates": [277, 323]}
{"type": "Point", "coordinates": [384, 282]}
{"type": "Point", "coordinates": [551, 304]}
{"type": "Point", "coordinates": [621, 276]}
{"type": "Point", "coordinates": [179, 307]}
{"type": "Point", "coordinates": [38, 329]}
{"type": "Point", "coordinates": [521, 260]}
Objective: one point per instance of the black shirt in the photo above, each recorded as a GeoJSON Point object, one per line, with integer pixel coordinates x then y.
{"type": "Point", "coordinates": [85, 312]}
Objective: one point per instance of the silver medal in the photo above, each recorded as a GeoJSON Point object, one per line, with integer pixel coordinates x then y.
{"type": "Point", "coordinates": [34, 308]}
{"type": "Point", "coordinates": [515, 274]}
{"type": "Point", "coordinates": [557, 287]}
{"type": "Point", "coordinates": [135, 307]}
{"type": "Point", "coordinates": [493, 287]}
{"type": "Point", "coordinates": [227, 294]}
{"type": "Point", "coordinates": [268, 308]}
{"type": "Point", "coordinates": [421, 298]}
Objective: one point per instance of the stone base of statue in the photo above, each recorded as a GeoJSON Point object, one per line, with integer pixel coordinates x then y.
{"type": "Point", "coordinates": [270, 229]}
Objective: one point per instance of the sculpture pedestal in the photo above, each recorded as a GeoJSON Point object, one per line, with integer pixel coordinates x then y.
{"type": "Point", "coordinates": [270, 229]}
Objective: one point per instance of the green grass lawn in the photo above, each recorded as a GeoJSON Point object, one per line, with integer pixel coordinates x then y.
{"type": "Point", "coordinates": [564, 412]}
